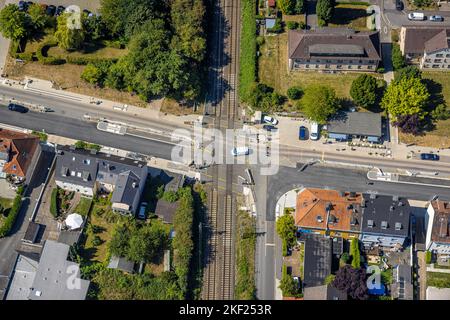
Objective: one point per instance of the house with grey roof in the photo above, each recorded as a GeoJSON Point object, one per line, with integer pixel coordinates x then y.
{"type": "Point", "coordinates": [52, 278]}
{"type": "Point", "coordinates": [333, 49]}
{"type": "Point", "coordinates": [427, 46]}
{"type": "Point", "coordinates": [325, 292]}
{"type": "Point", "coordinates": [87, 172]}
{"type": "Point", "coordinates": [349, 125]}
{"type": "Point", "coordinates": [385, 221]}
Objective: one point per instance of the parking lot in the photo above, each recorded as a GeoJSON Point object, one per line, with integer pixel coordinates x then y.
{"type": "Point", "coordinates": [91, 5]}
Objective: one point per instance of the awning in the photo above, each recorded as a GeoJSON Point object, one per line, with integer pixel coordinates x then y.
{"type": "Point", "coordinates": [338, 136]}
{"type": "Point", "coordinates": [373, 139]}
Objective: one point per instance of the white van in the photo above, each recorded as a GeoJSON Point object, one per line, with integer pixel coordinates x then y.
{"type": "Point", "coordinates": [419, 16]}
{"type": "Point", "coordinates": [314, 132]}
{"type": "Point", "coordinates": [240, 151]}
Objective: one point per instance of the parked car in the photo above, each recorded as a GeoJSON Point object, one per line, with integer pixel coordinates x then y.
{"type": "Point", "coordinates": [437, 18]}
{"type": "Point", "coordinates": [50, 10]}
{"type": "Point", "coordinates": [270, 120]}
{"type": "Point", "coordinates": [59, 10]}
{"type": "Point", "coordinates": [240, 151]}
{"type": "Point", "coordinates": [302, 133]}
{"type": "Point", "coordinates": [429, 156]}
{"type": "Point", "coordinates": [399, 5]}
{"type": "Point", "coordinates": [314, 133]}
{"type": "Point", "coordinates": [22, 6]}
{"type": "Point", "coordinates": [17, 108]}
{"type": "Point", "coordinates": [142, 210]}
{"type": "Point", "coordinates": [419, 16]}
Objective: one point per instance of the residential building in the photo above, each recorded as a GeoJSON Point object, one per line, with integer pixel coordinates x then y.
{"type": "Point", "coordinates": [325, 292]}
{"type": "Point", "coordinates": [52, 278]}
{"type": "Point", "coordinates": [317, 260]}
{"type": "Point", "coordinates": [333, 49]}
{"type": "Point", "coordinates": [384, 221]}
{"type": "Point", "coordinates": [328, 212]}
{"type": "Point", "coordinates": [87, 172]}
{"type": "Point", "coordinates": [429, 46]}
{"type": "Point", "coordinates": [437, 222]}
{"type": "Point", "coordinates": [402, 287]}
{"type": "Point", "coordinates": [18, 152]}
{"type": "Point", "coordinates": [356, 125]}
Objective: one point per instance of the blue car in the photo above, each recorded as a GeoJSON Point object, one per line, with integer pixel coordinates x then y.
{"type": "Point", "coordinates": [302, 133]}
{"type": "Point", "coordinates": [429, 156]}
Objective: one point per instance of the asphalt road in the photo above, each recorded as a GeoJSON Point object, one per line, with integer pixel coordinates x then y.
{"type": "Point", "coordinates": [87, 131]}
{"type": "Point", "coordinates": [8, 245]}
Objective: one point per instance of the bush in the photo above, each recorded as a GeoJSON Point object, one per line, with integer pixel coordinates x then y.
{"type": "Point", "coordinates": [248, 65]}
{"type": "Point", "coordinates": [345, 258]}
{"type": "Point", "coordinates": [398, 61]}
{"type": "Point", "coordinates": [117, 44]}
{"type": "Point", "coordinates": [354, 252]}
{"type": "Point", "coordinates": [14, 48]}
{"type": "Point", "coordinates": [170, 196]}
{"type": "Point", "coordinates": [86, 60]}
{"type": "Point", "coordinates": [54, 203]}
{"type": "Point", "coordinates": [96, 241]}
{"type": "Point", "coordinates": [28, 56]}
{"type": "Point", "coordinates": [284, 248]}
{"type": "Point", "coordinates": [428, 257]}
{"type": "Point", "coordinates": [302, 25]}
{"type": "Point", "coordinates": [294, 93]}
{"type": "Point", "coordinates": [41, 54]}
{"type": "Point", "coordinates": [380, 70]}
{"type": "Point", "coordinates": [9, 221]}
{"type": "Point", "coordinates": [292, 25]}
{"type": "Point", "coordinates": [440, 112]}
{"type": "Point", "coordinates": [260, 40]}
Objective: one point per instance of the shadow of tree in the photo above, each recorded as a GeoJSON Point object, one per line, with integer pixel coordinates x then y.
{"type": "Point", "coordinates": [346, 15]}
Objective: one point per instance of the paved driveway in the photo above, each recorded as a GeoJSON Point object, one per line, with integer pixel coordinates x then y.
{"type": "Point", "coordinates": [5, 190]}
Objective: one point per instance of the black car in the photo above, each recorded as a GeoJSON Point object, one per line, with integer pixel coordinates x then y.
{"type": "Point", "coordinates": [60, 10]}
{"type": "Point", "coordinates": [269, 128]}
{"type": "Point", "coordinates": [399, 5]}
{"type": "Point", "coordinates": [51, 9]}
{"type": "Point", "coordinates": [429, 156]}
{"type": "Point", "coordinates": [22, 6]}
{"type": "Point", "coordinates": [17, 108]}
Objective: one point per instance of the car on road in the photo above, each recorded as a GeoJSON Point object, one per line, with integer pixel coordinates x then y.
{"type": "Point", "coordinates": [17, 108]}
{"type": "Point", "coordinates": [142, 210]}
{"type": "Point", "coordinates": [270, 120]}
{"type": "Point", "coordinates": [399, 5]}
{"type": "Point", "coordinates": [302, 133]}
{"type": "Point", "coordinates": [240, 151]}
{"type": "Point", "coordinates": [437, 18]}
{"type": "Point", "coordinates": [419, 16]}
{"type": "Point", "coordinates": [50, 10]}
{"type": "Point", "coordinates": [429, 156]}
{"type": "Point", "coordinates": [314, 133]}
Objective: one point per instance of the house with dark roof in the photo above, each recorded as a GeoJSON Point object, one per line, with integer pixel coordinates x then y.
{"type": "Point", "coordinates": [437, 222]}
{"type": "Point", "coordinates": [87, 172]}
{"type": "Point", "coordinates": [350, 125]}
{"type": "Point", "coordinates": [328, 212]}
{"type": "Point", "coordinates": [317, 260]}
{"type": "Point", "coordinates": [333, 49]}
{"type": "Point", "coordinates": [384, 221]}
{"type": "Point", "coordinates": [18, 152]}
{"type": "Point", "coordinates": [429, 46]}
{"type": "Point", "coordinates": [122, 264]}
{"type": "Point", "coordinates": [325, 292]}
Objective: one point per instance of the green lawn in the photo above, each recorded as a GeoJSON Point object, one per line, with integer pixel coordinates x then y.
{"type": "Point", "coordinates": [83, 206]}
{"type": "Point", "coordinates": [349, 15]}
{"type": "Point", "coordinates": [438, 279]}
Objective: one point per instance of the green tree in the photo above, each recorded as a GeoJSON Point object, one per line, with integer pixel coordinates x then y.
{"type": "Point", "coordinates": [146, 242]}
{"type": "Point", "coordinates": [264, 98]}
{"type": "Point", "coordinates": [409, 71]}
{"type": "Point", "coordinates": [355, 254]}
{"type": "Point", "coordinates": [286, 229]}
{"type": "Point", "coordinates": [119, 244]}
{"type": "Point", "coordinates": [364, 90]}
{"type": "Point", "coordinates": [94, 27]}
{"type": "Point", "coordinates": [288, 286]}
{"type": "Point", "coordinates": [292, 25]}
{"type": "Point", "coordinates": [13, 23]}
{"type": "Point", "coordinates": [405, 96]}
{"type": "Point", "coordinates": [92, 74]}
{"type": "Point", "coordinates": [398, 61]}
{"type": "Point", "coordinates": [294, 93]}
{"type": "Point", "coordinates": [287, 6]}
{"type": "Point", "coordinates": [299, 7]}
{"type": "Point", "coordinates": [324, 10]}
{"type": "Point", "coordinates": [37, 15]}
{"type": "Point", "coordinates": [68, 37]}
{"type": "Point", "coordinates": [319, 103]}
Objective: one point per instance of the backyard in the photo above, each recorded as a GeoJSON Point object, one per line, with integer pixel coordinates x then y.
{"type": "Point", "coordinates": [439, 137]}
{"type": "Point", "coordinates": [438, 279]}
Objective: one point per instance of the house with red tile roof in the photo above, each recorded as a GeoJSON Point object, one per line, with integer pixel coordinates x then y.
{"type": "Point", "coordinates": [271, 3]}
{"type": "Point", "coordinates": [437, 222]}
{"type": "Point", "coordinates": [330, 212]}
{"type": "Point", "coordinates": [17, 150]}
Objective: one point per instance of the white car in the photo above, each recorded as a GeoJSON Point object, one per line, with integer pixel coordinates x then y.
{"type": "Point", "coordinates": [270, 120]}
{"type": "Point", "coordinates": [314, 132]}
{"type": "Point", "coordinates": [240, 151]}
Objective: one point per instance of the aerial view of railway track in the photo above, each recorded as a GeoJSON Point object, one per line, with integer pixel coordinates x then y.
{"type": "Point", "coordinates": [219, 271]}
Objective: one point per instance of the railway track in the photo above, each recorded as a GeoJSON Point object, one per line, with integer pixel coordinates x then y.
{"type": "Point", "coordinates": [218, 283]}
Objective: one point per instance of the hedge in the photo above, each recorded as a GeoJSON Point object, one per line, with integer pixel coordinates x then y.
{"type": "Point", "coordinates": [25, 56]}
{"type": "Point", "coordinates": [8, 222]}
{"type": "Point", "coordinates": [87, 60]}
{"type": "Point", "coordinates": [248, 68]}
{"type": "Point", "coordinates": [43, 58]}
{"type": "Point", "coordinates": [54, 203]}
{"type": "Point", "coordinates": [117, 44]}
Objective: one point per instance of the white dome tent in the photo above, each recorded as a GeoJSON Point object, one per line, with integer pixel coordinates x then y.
{"type": "Point", "coordinates": [74, 221]}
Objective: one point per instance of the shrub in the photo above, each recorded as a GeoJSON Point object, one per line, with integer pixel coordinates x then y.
{"type": "Point", "coordinates": [291, 25]}
{"type": "Point", "coordinates": [96, 241]}
{"type": "Point", "coordinates": [302, 25]}
{"type": "Point", "coordinates": [9, 221]}
{"type": "Point", "coordinates": [354, 252]}
{"type": "Point", "coordinates": [113, 44]}
{"type": "Point", "coordinates": [428, 257]}
{"type": "Point", "coordinates": [14, 48]}
{"type": "Point", "coordinates": [284, 248]}
{"type": "Point", "coordinates": [54, 203]}
{"type": "Point", "coordinates": [398, 61]}
{"type": "Point", "coordinates": [28, 56]}
{"type": "Point", "coordinates": [380, 70]}
{"type": "Point", "coordinates": [345, 258]}
{"type": "Point", "coordinates": [440, 112]}
{"type": "Point", "coordinates": [87, 60]}
{"type": "Point", "coordinates": [260, 40]}
{"type": "Point", "coordinates": [41, 54]}
{"type": "Point", "coordinates": [294, 93]}
{"type": "Point", "coordinates": [170, 196]}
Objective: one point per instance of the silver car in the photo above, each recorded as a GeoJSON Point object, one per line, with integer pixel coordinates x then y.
{"type": "Point", "coordinates": [437, 18]}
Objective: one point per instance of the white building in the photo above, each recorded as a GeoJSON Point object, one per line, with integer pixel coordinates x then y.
{"type": "Point", "coordinates": [437, 222]}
